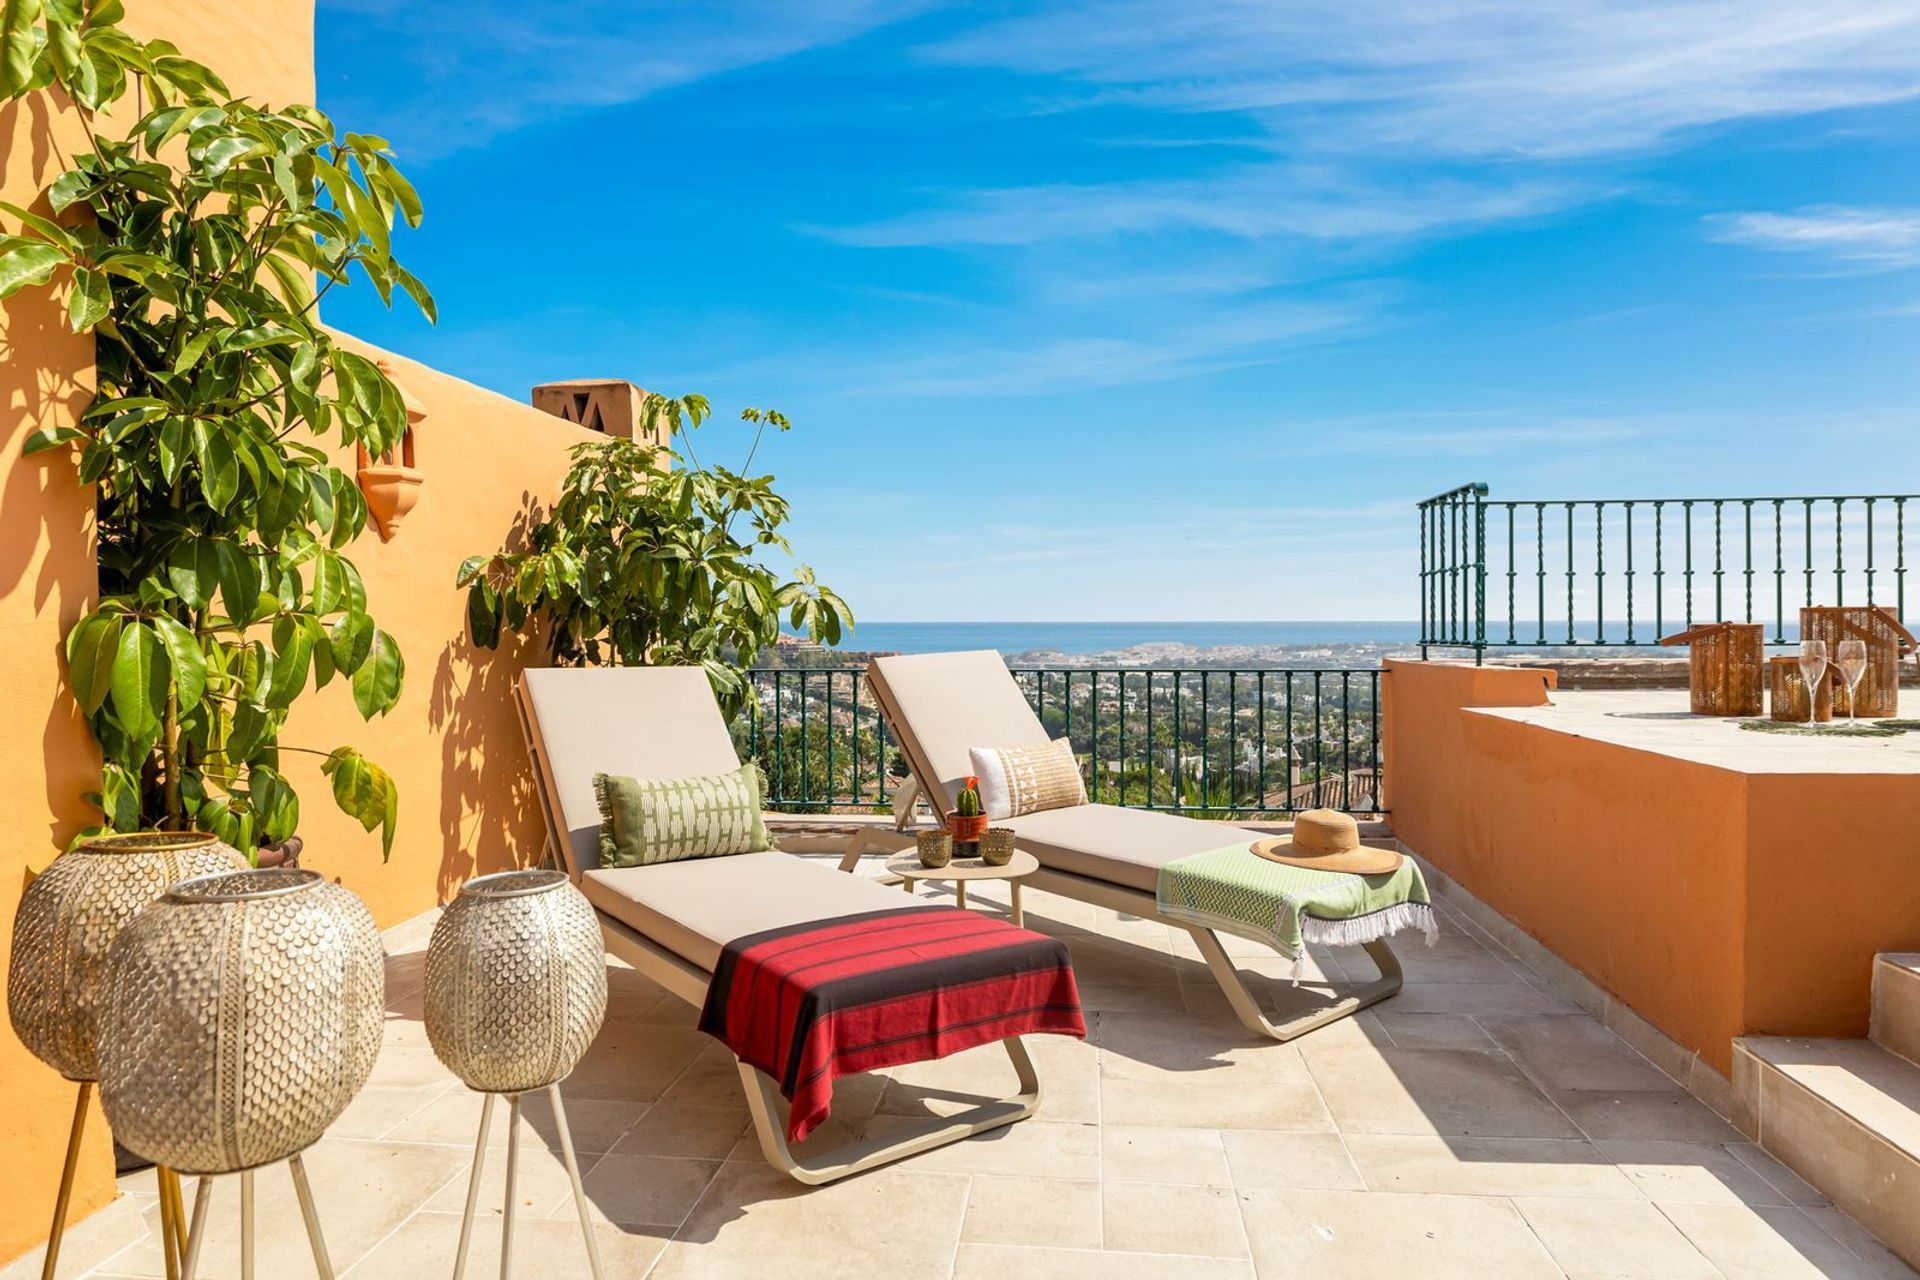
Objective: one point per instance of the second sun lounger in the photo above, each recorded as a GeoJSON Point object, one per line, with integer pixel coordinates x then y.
{"type": "Point", "coordinates": [941, 705]}
{"type": "Point", "coordinates": [671, 920]}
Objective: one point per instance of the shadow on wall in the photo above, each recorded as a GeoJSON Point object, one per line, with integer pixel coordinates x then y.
{"type": "Point", "coordinates": [486, 796]}
{"type": "Point", "coordinates": [47, 573]}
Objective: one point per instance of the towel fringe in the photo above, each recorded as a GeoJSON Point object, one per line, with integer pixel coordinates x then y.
{"type": "Point", "coordinates": [1364, 929]}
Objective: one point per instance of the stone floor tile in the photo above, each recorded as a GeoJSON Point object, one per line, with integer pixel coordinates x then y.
{"type": "Point", "coordinates": [425, 1246]}
{"type": "Point", "coordinates": [1036, 1148]}
{"type": "Point", "coordinates": [1692, 1172]}
{"type": "Point", "coordinates": [376, 1110]}
{"type": "Point", "coordinates": [362, 1192]}
{"type": "Point", "coordinates": [1629, 1239]}
{"type": "Point", "coordinates": [1144, 1217]}
{"type": "Point", "coordinates": [1783, 1179]}
{"type": "Point", "coordinates": [1266, 1158]}
{"type": "Point", "coordinates": [1430, 1030]}
{"type": "Point", "coordinates": [1434, 1091]}
{"type": "Point", "coordinates": [1488, 1166]}
{"type": "Point", "coordinates": [1768, 1243]}
{"type": "Point", "coordinates": [1516, 997]}
{"type": "Point", "coordinates": [644, 1191]}
{"type": "Point", "coordinates": [540, 1181]}
{"type": "Point", "coordinates": [1033, 1211]}
{"type": "Point", "coordinates": [1002, 1262]}
{"type": "Point", "coordinates": [1129, 1154]}
{"type": "Point", "coordinates": [676, 1129]}
{"type": "Point", "coordinates": [1573, 1053]}
{"type": "Point", "coordinates": [1215, 1104]}
{"type": "Point", "coordinates": [754, 1222]}
{"type": "Point", "coordinates": [1643, 1113]}
{"type": "Point", "coordinates": [1351, 1235]}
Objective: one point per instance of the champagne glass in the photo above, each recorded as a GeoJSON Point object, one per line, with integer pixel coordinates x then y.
{"type": "Point", "coordinates": [1851, 657]}
{"type": "Point", "coordinates": [1813, 667]}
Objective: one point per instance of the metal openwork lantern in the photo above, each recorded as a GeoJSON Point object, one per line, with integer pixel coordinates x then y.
{"type": "Point", "coordinates": [245, 1013]}
{"type": "Point", "coordinates": [1878, 693]}
{"type": "Point", "coordinates": [1726, 667]}
{"type": "Point", "coordinates": [57, 976]}
{"type": "Point", "coordinates": [516, 992]}
{"type": "Point", "coordinates": [1788, 689]}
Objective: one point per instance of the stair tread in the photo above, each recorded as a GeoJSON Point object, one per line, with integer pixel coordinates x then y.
{"type": "Point", "coordinates": [1876, 1087]}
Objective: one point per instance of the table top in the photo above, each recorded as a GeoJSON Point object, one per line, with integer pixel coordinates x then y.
{"type": "Point", "coordinates": [907, 864]}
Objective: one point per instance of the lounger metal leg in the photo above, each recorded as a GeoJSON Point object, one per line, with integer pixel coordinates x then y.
{"type": "Point", "coordinates": [473, 1189]}
{"type": "Point", "coordinates": [764, 1102]}
{"type": "Point", "coordinates": [1347, 1001]}
{"type": "Point", "coordinates": [573, 1172]}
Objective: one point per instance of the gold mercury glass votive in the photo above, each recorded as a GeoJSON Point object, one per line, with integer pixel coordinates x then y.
{"type": "Point", "coordinates": [936, 848]}
{"type": "Point", "coordinates": [996, 846]}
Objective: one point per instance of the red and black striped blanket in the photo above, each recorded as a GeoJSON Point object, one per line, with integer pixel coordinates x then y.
{"type": "Point", "coordinates": [810, 1003]}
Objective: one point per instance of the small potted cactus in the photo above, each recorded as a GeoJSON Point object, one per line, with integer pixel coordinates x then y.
{"type": "Point", "coordinates": [968, 821]}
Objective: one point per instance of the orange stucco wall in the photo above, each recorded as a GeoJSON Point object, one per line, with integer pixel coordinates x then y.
{"type": "Point", "coordinates": [1683, 889]}
{"type": "Point", "coordinates": [452, 743]}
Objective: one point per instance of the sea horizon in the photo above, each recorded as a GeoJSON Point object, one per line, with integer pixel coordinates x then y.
{"type": "Point", "coordinates": [1082, 637]}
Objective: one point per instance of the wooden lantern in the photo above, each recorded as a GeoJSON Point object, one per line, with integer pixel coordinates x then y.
{"type": "Point", "coordinates": [1726, 663]}
{"type": "Point", "coordinates": [1878, 693]}
{"type": "Point", "coordinates": [1789, 690]}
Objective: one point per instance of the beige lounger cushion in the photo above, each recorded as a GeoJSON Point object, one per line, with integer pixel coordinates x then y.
{"type": "Point", "coordinates": [694, 908]}
{"type": "Point", "coordinates": [949, 703]}
{"type": "Point", "coordinates": [635, 722]}
{"type": "Point", "coordinates": [1120, 846]}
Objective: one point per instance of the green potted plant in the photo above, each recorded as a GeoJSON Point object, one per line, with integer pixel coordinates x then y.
{"type": "Point", "coordinates": [196, 247]}
{"type": "Point", "coordinates": [968, 821]}
{"type": "Point", "coordinates": [650, 558]}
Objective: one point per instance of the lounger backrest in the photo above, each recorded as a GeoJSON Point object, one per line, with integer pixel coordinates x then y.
{"type": "Point", "coordinates": [635, 722]}
{"type": "Point", "coordinates": [941, 705]}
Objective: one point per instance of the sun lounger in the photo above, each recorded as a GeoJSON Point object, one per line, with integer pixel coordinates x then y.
{"type": "Point", "coordinates": [671, 920]}
{"type": "Point", "coordinates": [942, 705]}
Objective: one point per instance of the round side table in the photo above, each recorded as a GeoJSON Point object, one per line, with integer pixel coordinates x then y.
{"type": "Point", "coordinates": [907, 866]}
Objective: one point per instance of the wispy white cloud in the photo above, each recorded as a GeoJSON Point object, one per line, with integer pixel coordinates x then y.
{"type": "Point", "coordinates": [479, 70]}
{"type": "Point", "coordinates": [1260, 202]}
{"type": "Point", "coordinates": [1859, 238]}
{"type": "Point", "coordinates": [1467, 77]}
{"type": "Point", "coordinates": [1079, 351]}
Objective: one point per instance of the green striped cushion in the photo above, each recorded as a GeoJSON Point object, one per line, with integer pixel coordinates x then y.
{"type": "Point", "coordinates": [670, 819]}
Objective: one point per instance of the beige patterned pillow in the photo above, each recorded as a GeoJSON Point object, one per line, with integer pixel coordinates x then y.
{"type": "Point", "coordinates": [1017, 780]}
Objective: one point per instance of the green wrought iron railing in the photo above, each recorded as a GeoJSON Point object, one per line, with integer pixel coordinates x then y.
{"type": "Point", "coordinates": [1209, 741]}
{"type": "Point", "coordinates": [1622, 572]}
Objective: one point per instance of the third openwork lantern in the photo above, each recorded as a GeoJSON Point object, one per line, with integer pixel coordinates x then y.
{"type": "Point", "coordinates": [1887, 642]}
{"type": "Point", "coordinates": [516, 981]}
{"type": "Point", "coordinates": [245, 1013]}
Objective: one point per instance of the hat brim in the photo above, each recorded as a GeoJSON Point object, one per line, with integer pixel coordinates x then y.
{"type": "Point", "coordinates": [1364, 861]}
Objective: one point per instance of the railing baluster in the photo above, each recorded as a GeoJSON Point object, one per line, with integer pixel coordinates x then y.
{"type": "Point", "coordinates": [1779, 576]}
{"type": "Point", "coordinates": [1687, 509]}
{"type": "Point", "coordinates": [1719, 568]}
{"type": "Point", "coordinates": [1629, 571]}
{"type": "Point", "coordinates": [1870, 502]}
{"type": "Point", "coordinates": [1839, 555]}
{"type": "Point", "coordinates": [1659, 573]}
{"type": "Point", "coordinates": [1599, 574]}
{"type": "Point", "coordinates": [1510, 573]}
{"type": "Point", "coordinates": [1570, 636]}
{"type": "Point", "coordinates": [1540, 567]}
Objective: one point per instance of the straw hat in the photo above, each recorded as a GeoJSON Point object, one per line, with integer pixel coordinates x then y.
{"type": "Point", "coordinates": [1328, 840]}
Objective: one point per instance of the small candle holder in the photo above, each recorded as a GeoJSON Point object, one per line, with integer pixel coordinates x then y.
{"type": "Point", "coordinates": [936, 848]}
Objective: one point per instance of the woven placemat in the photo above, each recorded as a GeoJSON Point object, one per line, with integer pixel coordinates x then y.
{"type": "Point", "coordinates": [1865, 729]}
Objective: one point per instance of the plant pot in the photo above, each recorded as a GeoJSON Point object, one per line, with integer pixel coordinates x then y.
{"type": "Point", "coordinates": [966, 830]}
{"type": "Point", "coordinates": [284, 854]}
{"type": "Point", "coordinates": [391, 492]}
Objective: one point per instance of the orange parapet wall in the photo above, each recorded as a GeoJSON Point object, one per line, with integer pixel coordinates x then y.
{"type": "Point", "coordinates": [1740, 889]}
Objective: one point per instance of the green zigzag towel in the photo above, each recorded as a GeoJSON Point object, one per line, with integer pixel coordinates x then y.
{"type": "Point", "coordinates": [1238, 890]}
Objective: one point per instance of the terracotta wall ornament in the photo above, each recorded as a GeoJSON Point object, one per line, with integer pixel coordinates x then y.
{"type": "Point", "coordinates": [392, 486]}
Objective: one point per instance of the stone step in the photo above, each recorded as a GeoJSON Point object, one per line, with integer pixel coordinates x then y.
{"type": "Point", "coordinates": [1896, 1003]}
{"type": "Point", "coordinates": [1845, 1116]}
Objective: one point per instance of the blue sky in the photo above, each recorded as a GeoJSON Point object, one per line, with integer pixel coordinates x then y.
{"type": "Point", "coordinates": [1125, 309]}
